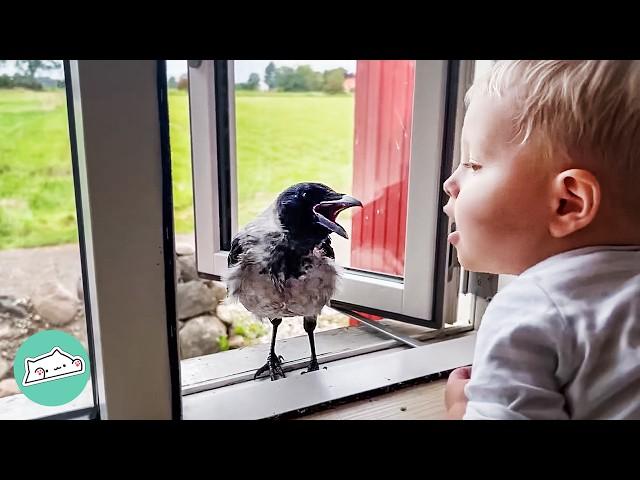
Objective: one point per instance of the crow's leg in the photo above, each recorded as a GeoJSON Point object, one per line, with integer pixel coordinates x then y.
{"type": "Point", "coordinates": [309, 327]}
{"type": "Point", "coordinates": [273, 364]}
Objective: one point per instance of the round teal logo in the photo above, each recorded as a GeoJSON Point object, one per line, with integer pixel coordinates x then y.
{"type": "Point", "coordinates": [51, 368]}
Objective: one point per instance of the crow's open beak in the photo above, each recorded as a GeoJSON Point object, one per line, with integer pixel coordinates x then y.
{"type": "Point", "coordinates": [326, 212]}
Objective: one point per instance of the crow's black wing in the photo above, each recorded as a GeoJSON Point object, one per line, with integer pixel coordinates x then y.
{"type": "Point", "coordinates": [234, 253]}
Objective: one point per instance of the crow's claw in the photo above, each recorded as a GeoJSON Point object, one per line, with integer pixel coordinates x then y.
{"type": "Point", "coordinates": [274, 366]}
{"type": "Point", "coordinates": [313, 366]}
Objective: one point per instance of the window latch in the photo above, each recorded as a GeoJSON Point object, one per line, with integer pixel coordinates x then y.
{"type": "Point", "coordinates": [483, 285]}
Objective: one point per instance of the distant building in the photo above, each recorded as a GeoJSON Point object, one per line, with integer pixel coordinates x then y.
{"type": "Point", "coordinates": [349, 83]}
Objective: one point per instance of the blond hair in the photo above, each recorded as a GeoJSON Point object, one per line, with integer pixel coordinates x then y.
{"type": "Point", "coordinates": [587, 106]}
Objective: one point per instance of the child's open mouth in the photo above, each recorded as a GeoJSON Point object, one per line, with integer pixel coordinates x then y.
{"type": "Point", "coordinates": [454, 236]}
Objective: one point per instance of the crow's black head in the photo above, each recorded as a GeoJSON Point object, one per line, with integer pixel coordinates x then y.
{"type": "Point", "coordinates": [308, 211]}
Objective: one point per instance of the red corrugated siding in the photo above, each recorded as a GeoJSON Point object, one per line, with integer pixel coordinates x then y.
{"type": "Point", "coordinates": [382, 147]}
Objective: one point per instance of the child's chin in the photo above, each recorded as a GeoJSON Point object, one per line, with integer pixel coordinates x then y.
{"type": "Point", "coordinates": [471, 263]}
{"type": "Point", "coordinates": [478, 266]}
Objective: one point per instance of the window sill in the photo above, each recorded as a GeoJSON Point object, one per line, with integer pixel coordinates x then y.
{"type": "Point", "coordinates": [357, 360]}
{"type": "Point", "coordinates": [19, 407]}
{"type": "Point", "coordinates": [236, 366]}
{"type": "Point", "coordinates": [342, 378]}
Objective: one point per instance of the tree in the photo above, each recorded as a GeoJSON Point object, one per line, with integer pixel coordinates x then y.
{"type": "Point", "coordinates": [302, 79]}
{"type": "Point", "coordinates": [29, 68]}
{"type": "Point", "coordinates": [183, 82]}
{"type": "Point", "coordinates": [334, 80]}
{"type": "Point", "coordinates": [6, 81]}
{"type": "Point", "coordinates": [311, 80]}
{"type": "Point", "coordinates": [284, 78]}
{"type": "Point", "coordinates": [270, 75]}
{"type": "Point", "coordinates": [254, 82]}
{"type": "Point", "coordinates": [172, 83]}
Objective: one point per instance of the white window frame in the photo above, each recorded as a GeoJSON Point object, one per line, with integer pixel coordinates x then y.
{"type": "Point", "coordinates": [412, 297]}
{"type": "Point", "coordinates": [119, 114]}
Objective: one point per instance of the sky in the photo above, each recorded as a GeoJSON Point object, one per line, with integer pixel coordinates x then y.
{"type": "Point", "coordinates": [9, 69]}
{"type": "Point", "coordinates": [243, 68]}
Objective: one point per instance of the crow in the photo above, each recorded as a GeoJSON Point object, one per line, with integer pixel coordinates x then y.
{"type": "Point", "coordinates": [282, 264]}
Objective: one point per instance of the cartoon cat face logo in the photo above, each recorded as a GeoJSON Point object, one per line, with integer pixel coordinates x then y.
{"type": "Point", "coordinates": [51, 366]}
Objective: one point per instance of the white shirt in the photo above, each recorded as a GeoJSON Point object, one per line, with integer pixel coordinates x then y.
{"type": "Point", "coordinates": [562, 341]}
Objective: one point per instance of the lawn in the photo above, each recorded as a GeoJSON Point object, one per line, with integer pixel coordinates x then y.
{"type": "Point", "coordinates": [281, 139]}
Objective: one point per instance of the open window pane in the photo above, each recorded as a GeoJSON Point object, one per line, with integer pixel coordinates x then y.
{"type": "Point", "coordinates": [345, 123]}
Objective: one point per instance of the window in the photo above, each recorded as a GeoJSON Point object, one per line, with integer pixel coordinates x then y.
{"type": "Point", "coordinates": [136, 231]}
{"type": "Point", "coordinates": [41, 286]}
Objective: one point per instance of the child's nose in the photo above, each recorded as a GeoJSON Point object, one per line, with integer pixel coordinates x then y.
{"type": "Point", "coordinates": [451, 187]}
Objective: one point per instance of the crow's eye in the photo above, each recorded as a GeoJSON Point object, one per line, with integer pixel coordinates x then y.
{"type": "Point", "coordinates": [304, 194]}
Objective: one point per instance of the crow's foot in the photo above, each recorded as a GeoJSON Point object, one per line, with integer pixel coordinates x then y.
{"type": "Point", "coordinates": [273, 365]}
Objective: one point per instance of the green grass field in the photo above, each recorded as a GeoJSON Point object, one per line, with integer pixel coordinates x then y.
{"type": "Point", "coordinates": [281, 139]}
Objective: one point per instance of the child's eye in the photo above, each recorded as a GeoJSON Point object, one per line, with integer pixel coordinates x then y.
{"type": "Point", "coordinates": [472, 165]}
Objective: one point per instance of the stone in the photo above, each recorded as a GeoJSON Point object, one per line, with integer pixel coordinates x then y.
{"type": "Point", "coordinates": [8, 387]}
{"type": "Point", "coordinates": [184, 249]}
{"type": "Point", "coordinates": [5, 368]}
{"type": "Point", "coordinates": [236, 341]}
{"type": "Point", "coordinates": [219, 289]}
{"type": "Point", "coordinates": [200, 336]}
{"type": "Point", "coordinates": [186, 268]}
{"type": "Point", "coordinates": [13, 306]}
{"type": "Point", "coordinates": [56, 305]}
{"type": "Point", "coordinates": [194, 298]}
{"type": "Point", "coordinates": [230, 313]}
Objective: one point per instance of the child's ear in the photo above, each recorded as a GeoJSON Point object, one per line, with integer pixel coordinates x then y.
{"type": "Point", "coordinates": [576, 197]}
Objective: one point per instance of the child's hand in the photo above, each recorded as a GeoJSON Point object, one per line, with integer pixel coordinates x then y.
{"type": "Point", "coordinates": [455, 400]}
